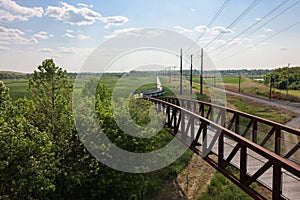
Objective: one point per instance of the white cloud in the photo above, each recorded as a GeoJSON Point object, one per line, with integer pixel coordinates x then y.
{"type": "Point", "coordinates": [217, 30]}
{"type": "Point", "coordinates": [82, 15]}
{"type": "Point", "coordinates": [69, 35]}
{"type": "Point", "coordinates": [82, 37]}
{"type": "Point", "coordinates": [76, 16]}
{"type": "Point", "coordinates": [206, 39]}
{"type": "Point", "coordinates": [13, 36]}
{"type": "Point", "coordinates": [268, 29]}
{"type": "Point", "coordinates": [67, 50]}
{"type": "Point", "coordinates": [258, 19]}
{"type": "Point", "coordinates": [69, 31]}
{"type": "Point", "coordinates": [135, 32]}
{"type": "Point", "coordinates": [4, 42]}
{"type": "Point", "coordinates": [3, 48]}
{"type": "Point", "coordinates": [183, 30]}
{"type": "Point", "coordinates": [84, 5]}
{"type": "Point", "coordinates": [11, 11]}
{"type": "Point", "coordinates": [79, 36]}
{"type": "Point", "coordinates": [126, 31]}
{"type": "Point", "coordinates": [45, 50]}
{"type": "Point", "coordinates": [16, 36]}
{"type": "Point", "coordinates": [75, 51]}
{"type": "Point", "coordinates": [192, 9]}
{"type": "Point", "coordinates": [201, 28]}
{"type": "Point", "coordinates": [42, 35]}
{"type": "Point", "coordinates": [239, 41]}
{"type": "Point", "coordinates": [220, 42]}
{"type": "Point", "coordinates": [114, 21]}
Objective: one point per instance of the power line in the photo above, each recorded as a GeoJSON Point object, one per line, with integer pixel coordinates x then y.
{"type": "Point", "coordinates": [254, 24]}
{"type": "Point", "coordinates": [238, 19]}
{"type": "Point", "coordinates": [215, 17]}
{"type": "Point", "coordinates": [270, 20]}
{"type": "Point", "coordinates": [270, 37]}
{"type": "Point", "coordinates": [212, 20]}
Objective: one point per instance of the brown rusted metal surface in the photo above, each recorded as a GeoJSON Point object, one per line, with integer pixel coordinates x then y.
{"type": "Point", "coordinates": [275, 129]}
{"type": "Point", "coordinates": [184, 119]}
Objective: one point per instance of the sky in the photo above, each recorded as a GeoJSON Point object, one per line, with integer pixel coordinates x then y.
{"type": "Point", "coordinates": [235, 34]}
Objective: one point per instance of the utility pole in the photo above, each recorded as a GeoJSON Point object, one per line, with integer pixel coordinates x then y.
{"type": "Point", "coordinates": [170, 74]}
{"type": "Point", "coordinates": [287, 80]}
{"type": "Point", "coordinates": [274, 83]}
{"type": "Point", "coordinates": [214, 80]}
{"type": "Point", "coordinates": [180, 71]}
{"type": "Point", "coordinates": [191, 75]}
{"type": "Point", "coordinates": [201, 73]}
{"type": "Point", "coordinates": [240, 83]}
{"type": "Point", "coordinates": [270, 95]}
{"type": "Point", "coordinates": [166, 74]}
{"type": "Point", "coordinates": [174, 72]}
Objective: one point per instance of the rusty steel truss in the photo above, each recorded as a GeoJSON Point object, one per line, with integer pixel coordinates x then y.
{"type": "Point", "coordinates": [229, 139]}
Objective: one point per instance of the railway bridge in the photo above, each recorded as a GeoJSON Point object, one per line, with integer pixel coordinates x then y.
{"type": "Point", "coordinates": [247, 149]}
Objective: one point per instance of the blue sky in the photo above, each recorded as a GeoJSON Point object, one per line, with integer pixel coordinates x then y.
{"type": "Point", "coordinates": [68, 31]}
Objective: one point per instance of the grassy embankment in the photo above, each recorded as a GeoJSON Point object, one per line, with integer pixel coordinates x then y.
{"type": "Point", "coordinates": [256, 88]}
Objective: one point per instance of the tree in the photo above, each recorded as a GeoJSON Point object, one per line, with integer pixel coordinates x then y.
{"type": "Point", "coordinates": [27, 167]}
{"type": "Point", "coordinates": [51, 89]}
{"type": "Point", "coordinates": [281, 75]}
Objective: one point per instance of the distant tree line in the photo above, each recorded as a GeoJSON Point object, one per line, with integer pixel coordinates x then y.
{"type": "Point", "coordinates": [282, 76]}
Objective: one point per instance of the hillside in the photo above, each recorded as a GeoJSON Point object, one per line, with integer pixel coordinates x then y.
{"type": "Point", "coordinates": [12, 75]}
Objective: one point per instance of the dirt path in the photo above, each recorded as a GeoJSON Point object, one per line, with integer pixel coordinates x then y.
{"type": "Point", "coordinates": [191, 182]}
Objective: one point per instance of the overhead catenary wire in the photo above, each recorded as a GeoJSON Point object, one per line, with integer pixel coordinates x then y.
{"type": "Point", "coordinates": [267, 22]}
{"type": "Point", "coordinates": [251, 26]}
{"type": "Point", "coordinates": [211, 22]}
{"type": "Point", "coordinates": [268, 38]}
{"type": "Point", "coordinates": [237, 20]}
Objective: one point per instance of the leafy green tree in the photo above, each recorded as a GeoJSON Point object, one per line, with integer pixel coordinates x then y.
{"type": "Point", "coordinates": [27, 166]}
{"type": "Point", "coordinates": [280, 76]}
{"type": "Point", "coordinates": [51, 89]}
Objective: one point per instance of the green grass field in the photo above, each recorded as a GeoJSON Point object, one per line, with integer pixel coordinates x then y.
{"type": "Point", "coordinates": [251, 87]}
{"type": "Point", "coordinates": [18, 88]}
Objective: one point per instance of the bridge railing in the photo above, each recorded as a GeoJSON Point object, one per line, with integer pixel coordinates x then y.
{"type": "Point", "coordinates": [276, 137]}
{"type": "Point", "coordinates": [182, 121]}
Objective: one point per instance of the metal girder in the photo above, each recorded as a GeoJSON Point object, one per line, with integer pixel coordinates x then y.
{"type": "Point", "coordinates": [184, 119]}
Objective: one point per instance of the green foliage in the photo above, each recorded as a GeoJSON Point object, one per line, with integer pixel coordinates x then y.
{"type": "Point", "coordinates": [51, 90]}
{"type": "Point", "coordinates": [222, 188]}
{"type": "Point", "coordinates": [27, 167]}
{"type": "Point", "coordinates": [4, 96]}
{"type": "Point", "coordinates": [279, 78]}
